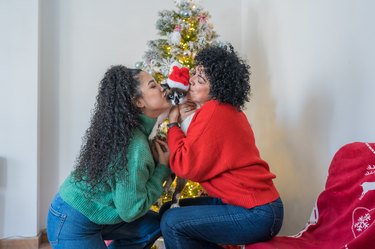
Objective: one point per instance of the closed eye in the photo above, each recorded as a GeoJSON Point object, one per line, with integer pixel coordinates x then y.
{"type": "Point", "coordinates": [201, 79]}
{"type": "Point", "coordinates": [152, 83]}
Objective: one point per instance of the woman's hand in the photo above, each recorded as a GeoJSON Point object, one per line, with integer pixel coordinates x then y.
{"type": "Point", "coordinates": [186, 109]}
{"type": "Point", "coordinates": [174, 114]}
{"type": "Point", "coordinates": [163, 151]}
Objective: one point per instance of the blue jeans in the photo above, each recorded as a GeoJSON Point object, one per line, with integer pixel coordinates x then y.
{"type": "Point", "coordinates": [69, 229]}
{"type": "Point", "coordinates": [207, 222]}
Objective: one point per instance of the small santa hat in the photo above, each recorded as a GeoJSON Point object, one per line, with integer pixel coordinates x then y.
{"type": "Point", "coordinates": [179, 78]}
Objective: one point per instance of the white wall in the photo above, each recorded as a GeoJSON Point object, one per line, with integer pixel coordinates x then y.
{"type": "Point", "coordinates": [313, 89]}
{"type": "Point", "coordinates": [19, 118]}
{"type": "Point", "coordinates": [311, 75]}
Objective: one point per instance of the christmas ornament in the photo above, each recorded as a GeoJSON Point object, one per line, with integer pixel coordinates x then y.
{"type": "Point", "coordinates": [185, 13]}
{"type": "Point", "coordinates": [138, 65]}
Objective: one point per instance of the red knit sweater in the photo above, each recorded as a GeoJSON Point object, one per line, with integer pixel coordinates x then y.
{"type": "Point", "coordinates": [219, 152]}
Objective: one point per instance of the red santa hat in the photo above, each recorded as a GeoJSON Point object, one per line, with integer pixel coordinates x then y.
{"type": "Point", "coordinates": [179, 78]}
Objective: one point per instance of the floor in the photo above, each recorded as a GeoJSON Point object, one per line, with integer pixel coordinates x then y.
{"type": "Point", "coordinates": [45, 245]}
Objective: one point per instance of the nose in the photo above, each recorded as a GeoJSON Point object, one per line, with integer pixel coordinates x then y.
{"type": "Point", "coordinates": [191, 82]}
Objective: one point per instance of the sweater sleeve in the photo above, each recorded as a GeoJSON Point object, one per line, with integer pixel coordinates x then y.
{"type": "Point", "coordinates": [196, 156]}
{"type": "Point", "coordinates": [142, 186]}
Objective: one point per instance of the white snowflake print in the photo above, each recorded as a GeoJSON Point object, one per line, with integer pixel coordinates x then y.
{"type": "Point", "coordinates": [362, 223]}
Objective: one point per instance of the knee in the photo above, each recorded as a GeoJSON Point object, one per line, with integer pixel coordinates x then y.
{"type": "Point", "coordinates": [168, 221]}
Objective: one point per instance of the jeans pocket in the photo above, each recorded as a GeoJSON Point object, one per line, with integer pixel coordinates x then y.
{"type": "Point", "coordinates": [54, 225]}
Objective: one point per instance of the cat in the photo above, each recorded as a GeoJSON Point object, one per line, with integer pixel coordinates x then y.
{"type": "Point", "coordinates": [175, 96]}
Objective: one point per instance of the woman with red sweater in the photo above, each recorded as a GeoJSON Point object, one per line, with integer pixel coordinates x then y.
{"type": "Point", "coordinates": [220, 153]}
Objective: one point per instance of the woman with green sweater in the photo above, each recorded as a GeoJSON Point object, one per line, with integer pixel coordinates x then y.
{"type": "Point", "coordinates": [117, 177]}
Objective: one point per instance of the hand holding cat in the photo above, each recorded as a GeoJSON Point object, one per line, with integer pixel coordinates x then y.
{"type": "Point", "coordinates": [162, 151]}
{"type": "Point", "coordinates": [186, 109]}
{"type": "Point", "coordinates": [174, 114]}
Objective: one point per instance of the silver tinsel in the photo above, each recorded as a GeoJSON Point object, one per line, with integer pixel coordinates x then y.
{"type": "Point", "coordinates": [166, 22]}
{"type": "Point", "coordinates": [174, 38]}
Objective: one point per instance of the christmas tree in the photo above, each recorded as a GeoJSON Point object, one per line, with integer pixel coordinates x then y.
{"type": "Point", "coordinates": [183, 33]}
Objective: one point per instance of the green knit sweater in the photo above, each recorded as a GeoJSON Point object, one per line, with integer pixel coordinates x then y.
{"type": "Point", "coordinates": [124, 200]}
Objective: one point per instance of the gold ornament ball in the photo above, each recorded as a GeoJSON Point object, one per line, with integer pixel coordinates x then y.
{"type": "Point", "coordinates": [158, 77]}
{"type": "Point", "coordinates": [167, 49]}
{"type": "Point", "coordinates": [184, 45]}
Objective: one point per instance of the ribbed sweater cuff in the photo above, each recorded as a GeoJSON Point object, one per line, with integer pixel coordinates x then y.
{"type": "Point", "coordinates": [162, 171]}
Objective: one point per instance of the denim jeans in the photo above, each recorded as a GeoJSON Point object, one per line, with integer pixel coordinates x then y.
{"type": "Point", "coordinates": [207, 222]}
{"type": "Point", "coordinates": [69, 229]}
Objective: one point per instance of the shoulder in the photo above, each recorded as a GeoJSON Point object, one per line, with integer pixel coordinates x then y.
{"type": "Point", "coordinates": [215, 115]}
{"type": "Point", "coordinates": [212, 113]}
{"type": "Point", "coordinates": [139, 151]}
{"type": "Point", "coordinates": [138, 141]}
{"type": "Point", "coordinates": [216, 108]}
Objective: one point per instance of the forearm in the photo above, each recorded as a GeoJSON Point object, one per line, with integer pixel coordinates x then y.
{"type": "Point", "coordinates": [183, 157]}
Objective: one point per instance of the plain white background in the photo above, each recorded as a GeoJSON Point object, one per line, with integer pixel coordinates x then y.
{"type": "Point", "coordinates": [312, 88]}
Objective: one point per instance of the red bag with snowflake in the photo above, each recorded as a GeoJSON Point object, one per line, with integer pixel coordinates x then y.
{"type": "Point", "coordinates": [343, 217]}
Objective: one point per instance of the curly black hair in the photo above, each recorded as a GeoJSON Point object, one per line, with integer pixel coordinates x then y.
{"type": "Point", "coordinates": [114, 119]}
{"type": "Point", "coordinates": [228, 74]}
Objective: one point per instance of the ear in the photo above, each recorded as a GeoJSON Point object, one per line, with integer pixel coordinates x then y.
{"type": "Point", "coordinates": [165, 86]}
{"type": "Point", "coordinates": [140, 103]}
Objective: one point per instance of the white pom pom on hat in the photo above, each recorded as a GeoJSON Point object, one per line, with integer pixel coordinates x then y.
{"type": "Point", "coordinates": [179, 78]}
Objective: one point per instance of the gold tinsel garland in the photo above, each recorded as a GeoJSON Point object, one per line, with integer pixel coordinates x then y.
{"type": "Point", "coordinates": [191, 189]}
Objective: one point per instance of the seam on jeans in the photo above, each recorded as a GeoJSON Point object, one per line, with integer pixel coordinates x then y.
{"type": "Point", "coordinates": [208, 219]}
{"type": "Point", "coordinates": [179, 225]}
{"type": "Point", "coordinates": [174, 237]}
{"type": "Point", "coordinates": [176, 227]}
{"type": "Point", "coordinates": [62, 218]}
{"type": "Point", "coordinates": [272, 230]}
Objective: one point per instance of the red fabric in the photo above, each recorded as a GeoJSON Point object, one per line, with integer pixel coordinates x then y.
{"type": "Point", "coordinates": [219, 152]}
{"type": "Point", "coordinates": [179, 78]}
{"type": "Point", "coordinates": [345, 210]}
{"type": "Point", "coordinates": [230, 247]}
